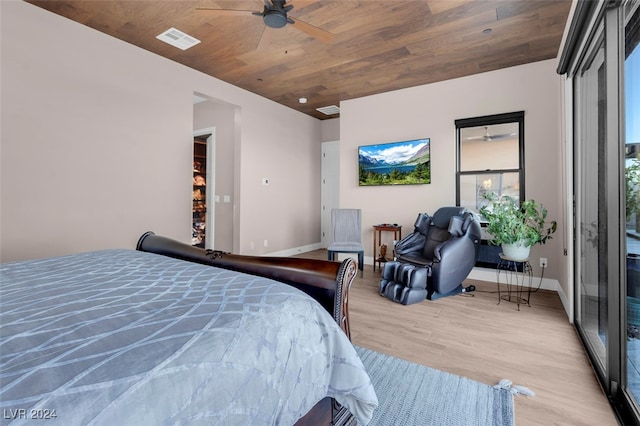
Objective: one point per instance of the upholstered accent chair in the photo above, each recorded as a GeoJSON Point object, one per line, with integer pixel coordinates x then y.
{"type": "Point", "coordinates": [435, 259]}
{"type": "Point", "coordinates": [347, 234]}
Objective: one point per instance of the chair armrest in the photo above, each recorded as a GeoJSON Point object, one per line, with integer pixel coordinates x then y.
{"type": "Point", "coordinates": [412, 243]}
{"type": "Point", "coordinates": [454, 259]}
{"type": "Point", "coordinates": [462, 246]}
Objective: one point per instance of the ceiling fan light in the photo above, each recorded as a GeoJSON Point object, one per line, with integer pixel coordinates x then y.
{"type": "Point", "coordinates": [274, 18]}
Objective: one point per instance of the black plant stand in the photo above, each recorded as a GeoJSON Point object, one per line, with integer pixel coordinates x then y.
{"type": "Point", "coordinates": [516, 272]}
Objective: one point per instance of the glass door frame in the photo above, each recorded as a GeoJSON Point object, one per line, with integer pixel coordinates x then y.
{"type": "Point", "coordinates": [592, 20]}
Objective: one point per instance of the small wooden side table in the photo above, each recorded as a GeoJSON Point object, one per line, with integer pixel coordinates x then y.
{"type": "Point", "coordinates": [377, 238]}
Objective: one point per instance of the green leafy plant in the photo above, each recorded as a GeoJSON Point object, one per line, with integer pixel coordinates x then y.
{"type": "Point", "coordinates": [632, 185]}
{"type": "Point", "coordinates": [510, 223]}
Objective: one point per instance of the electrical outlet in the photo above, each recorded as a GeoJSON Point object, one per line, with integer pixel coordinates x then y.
{"type": "Point", "coordinates": [543, 262]}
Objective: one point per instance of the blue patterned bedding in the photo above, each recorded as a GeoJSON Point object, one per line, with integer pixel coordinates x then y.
{"type": "Point", "coordinates": [122, 337]}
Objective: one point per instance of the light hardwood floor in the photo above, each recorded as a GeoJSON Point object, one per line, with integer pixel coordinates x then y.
{"type": "Point", "coordinates": [471, 335]}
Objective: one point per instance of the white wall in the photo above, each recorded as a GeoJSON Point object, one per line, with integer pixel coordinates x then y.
{"type": "Point", "coordinates": [221, 116]}
{"type": "Point", "coordinates": [430, 111]}
{"type": "Point", "coordinates": [97, 146]}
{"type": "Point", "coordinates": [330, 130]}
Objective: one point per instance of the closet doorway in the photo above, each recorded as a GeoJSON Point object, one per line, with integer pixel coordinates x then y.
{"type": "Point", "coordinates": [203, 204]}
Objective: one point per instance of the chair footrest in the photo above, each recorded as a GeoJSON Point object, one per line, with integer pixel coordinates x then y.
{"type": "Point", "coordinates": [404, 283]}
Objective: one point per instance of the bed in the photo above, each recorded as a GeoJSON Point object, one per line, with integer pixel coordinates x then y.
{"type": "Point", "coordinates": [173, 334]}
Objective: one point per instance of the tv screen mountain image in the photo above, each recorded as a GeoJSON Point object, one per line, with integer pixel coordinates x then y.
{"type": "Point", "coordinates": [395, 163]}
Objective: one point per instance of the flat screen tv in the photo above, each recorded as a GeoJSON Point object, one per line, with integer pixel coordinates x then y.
{"type": "Point", "coordinates": [395, 163]}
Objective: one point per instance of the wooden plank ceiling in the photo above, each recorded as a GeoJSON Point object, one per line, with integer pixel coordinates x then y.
{"type": "Point", "coordinates": [377, 46]}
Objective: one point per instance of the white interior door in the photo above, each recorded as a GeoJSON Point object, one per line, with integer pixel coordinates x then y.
{"type": "Point", "coordinates": [330, 192]}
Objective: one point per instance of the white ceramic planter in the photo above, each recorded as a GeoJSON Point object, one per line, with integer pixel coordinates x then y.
{"type": "Point", "coordinates": [517, 251]}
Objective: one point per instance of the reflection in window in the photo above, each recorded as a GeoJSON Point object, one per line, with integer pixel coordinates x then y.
{"type": "Point", "coordinates": [473, 187]}
{"type": "Point", "coordinates": [490, 158]}
{"type": "Point", "coordinates": [632, 121]}
{"type": "Point", "coordinates": [632, 190]}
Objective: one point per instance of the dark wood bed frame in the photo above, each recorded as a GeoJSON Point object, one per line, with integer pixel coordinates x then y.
{"type": "Point", "coordinates": [327, 282]}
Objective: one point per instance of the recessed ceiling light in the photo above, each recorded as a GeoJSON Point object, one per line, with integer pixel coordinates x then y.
{"type": "Point", "coordinates": [302, 100]}
{"type": "Point", "coordinates": [487, 31]}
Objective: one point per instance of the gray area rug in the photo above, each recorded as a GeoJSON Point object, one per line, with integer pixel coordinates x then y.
{"type": "Point", "coordinates": [412, 394]}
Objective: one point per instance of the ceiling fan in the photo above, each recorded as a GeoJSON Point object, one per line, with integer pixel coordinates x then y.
{"type": "Point", "coordinates": [487, 137]}
{"type": "Point", "coordinates": [275, 15]}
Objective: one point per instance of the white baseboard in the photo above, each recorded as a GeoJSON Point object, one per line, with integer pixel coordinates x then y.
{"type": "Point", "coordinates": [368, 260]}
{"type": "Point", "coordinates": [566, 304]}
{"type": "Point", "coordinates": [295, 250]}
{"type": "Point", "coordinates": [480, 274]}
{"type": "Point", "coordinates": [490, 275]}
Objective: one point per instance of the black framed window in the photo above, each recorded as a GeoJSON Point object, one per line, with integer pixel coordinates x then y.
{"type": "Point", "coordinates": [490, 158]}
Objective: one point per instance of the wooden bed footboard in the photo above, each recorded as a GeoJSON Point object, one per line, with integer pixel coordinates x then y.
{"type": "Point", "coordinates": [326, 281]}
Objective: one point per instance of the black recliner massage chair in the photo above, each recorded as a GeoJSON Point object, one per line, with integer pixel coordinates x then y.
{"type": "Point", "coordinates": [435, 259]}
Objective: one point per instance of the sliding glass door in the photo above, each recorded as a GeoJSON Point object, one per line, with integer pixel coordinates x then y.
{"type": "Point", "coordinates": [591, 213]}
{"type": "Point", "coordinates": [605, 73]}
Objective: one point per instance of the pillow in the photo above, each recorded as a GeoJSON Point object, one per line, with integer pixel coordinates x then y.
{"type": "Point", "coordinates": [456, 224]}
{"type": "Point", "coordinates": [423, 221]}
{"type": "Point", "coordinates": [468, 218]}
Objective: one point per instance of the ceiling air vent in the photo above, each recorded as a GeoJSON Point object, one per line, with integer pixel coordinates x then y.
{"type": "Point", "coordinates": [178, 39]}
{"type": "Point", "coordinates": [329, 110]}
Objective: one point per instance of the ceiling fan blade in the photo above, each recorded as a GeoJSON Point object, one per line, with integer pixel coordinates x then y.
{"type": "Point", "coordinates": [265, 38]}
{"type": "Point", "coordinates": [226, 12]}
{"type": "Point", "coordinates": [313, 31]}
{"type": "Point", "coordinates": [486, 137]}
{"type": "Point", "coordinates": [502, 136]}
{"type": "Point", "coordinates": [489, 138]}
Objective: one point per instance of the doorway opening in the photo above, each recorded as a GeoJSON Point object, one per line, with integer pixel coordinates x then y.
{"type": "Point", "coordinates": [199, 209]}
{"type": "Point", "coordinates": [203, 206]}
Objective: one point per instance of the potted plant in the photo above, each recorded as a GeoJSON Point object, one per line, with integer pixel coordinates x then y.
{"type": "Point", "coordinates": [516, 227]}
